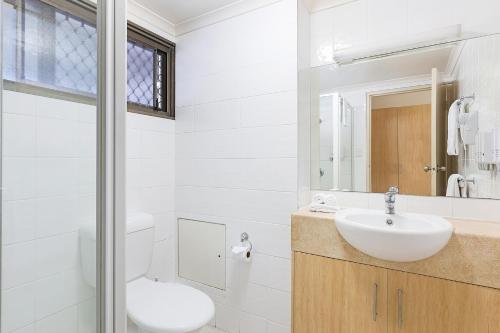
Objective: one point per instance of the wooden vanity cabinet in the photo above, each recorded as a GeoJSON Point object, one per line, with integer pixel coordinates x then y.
{"type": "Point", "coordinates": [424, 304]}
{"type": "Point", "coordinates": [336, 296]}
{"type": "Point", "coordinates": [332, 296]}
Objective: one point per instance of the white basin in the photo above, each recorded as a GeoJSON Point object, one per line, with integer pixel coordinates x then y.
{"type": "Point", "coordinates": [410, 237]}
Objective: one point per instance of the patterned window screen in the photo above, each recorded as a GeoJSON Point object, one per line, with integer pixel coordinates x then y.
{"type": "Point", "coordinates": [75, 54]}
{"type": "Point", "coordinates": [140, 74]}
{"type": "Point", "coordinates": [146, 76]}
{"type": "Point", "coordinates": [48, 47]}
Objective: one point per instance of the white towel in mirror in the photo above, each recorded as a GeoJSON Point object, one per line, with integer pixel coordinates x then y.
{"type": "Point", "coordinates": [453, 139]}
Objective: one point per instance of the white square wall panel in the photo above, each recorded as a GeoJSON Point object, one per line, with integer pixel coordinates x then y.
{"type": "Point", "coordinates": [202, 255]}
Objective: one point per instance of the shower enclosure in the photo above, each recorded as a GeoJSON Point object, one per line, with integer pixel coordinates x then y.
{"type": "Point", "coordinates": [63, 104]}
{"type": "Point", "coordinates": [335, 130]}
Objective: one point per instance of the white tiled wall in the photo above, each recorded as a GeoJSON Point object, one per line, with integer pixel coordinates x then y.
{"type": "Point", "coordinates": [150, 183]}
{"type": "Point", "coordinates": [360, 22]}
{"type": "Point", "coordinates": [236, 154]}
{"type": "Point", "coordinates": [49, 191]}
{"type": "Point", "coordinates": [304, 101]}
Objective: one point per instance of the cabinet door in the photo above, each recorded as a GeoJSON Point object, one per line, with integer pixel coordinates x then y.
{"type": "Point", "coordinates": [422, 304]}
{"type": "Point", "coordinates": [494, 310]}
{"type": "Point", "coordinates": [334, 296]}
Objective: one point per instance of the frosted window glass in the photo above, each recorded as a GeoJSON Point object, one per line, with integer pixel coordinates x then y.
{"type": "Point", "coordinates": [51, 48]}
{"type": "Point", "coordinates": [9, 42]}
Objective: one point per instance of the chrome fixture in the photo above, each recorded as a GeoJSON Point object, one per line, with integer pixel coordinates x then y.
{"type": "Point", "coordinates": [390, 200]}
{"type": "Point", "coordinates": [441, 168]}
{"type": "Point", "coordinates": [429, 168]}
{"type": "Point", "coordinates": [463, 98]}
{"type": "Point", "coordinates": [470, 180]}
{"type": "Point", "coordinates": [245, 239]}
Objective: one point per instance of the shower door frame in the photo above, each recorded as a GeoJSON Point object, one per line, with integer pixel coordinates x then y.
{"type": "Point", "coordinates": [111, 157]}
{"type": "Point", "coordinates": [111, 316]}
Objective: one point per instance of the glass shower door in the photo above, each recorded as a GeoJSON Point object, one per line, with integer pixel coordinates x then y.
{"type": "Point", "coordinates": [49, 162]}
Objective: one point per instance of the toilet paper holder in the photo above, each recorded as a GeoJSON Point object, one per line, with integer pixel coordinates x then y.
{"type": "Point", "coordinates": [244, 250]}
{"type": "Point", "coordinates": [244, 238]}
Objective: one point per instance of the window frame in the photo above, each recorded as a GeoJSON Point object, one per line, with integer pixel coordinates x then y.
{"type": "Point", "coordinates": [140, 35]}
{"type": "Point", "coordinates": [87, 10]}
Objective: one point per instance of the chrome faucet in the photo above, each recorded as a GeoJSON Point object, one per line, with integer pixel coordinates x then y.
{"type": "Point", "coordinates": [390, 200]}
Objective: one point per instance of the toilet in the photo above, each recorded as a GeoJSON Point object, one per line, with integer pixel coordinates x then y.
{"type": "Point", "coordinates": [155, 307]}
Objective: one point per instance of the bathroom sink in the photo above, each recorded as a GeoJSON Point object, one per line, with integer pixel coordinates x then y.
{"type": "Point", "coordinates": [399, 237]}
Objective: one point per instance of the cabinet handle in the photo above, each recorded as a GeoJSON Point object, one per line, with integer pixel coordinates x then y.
{"type": "Point", "coordinates": [374, 302]}
{"type": "Point", "coordinates": [400, 308]}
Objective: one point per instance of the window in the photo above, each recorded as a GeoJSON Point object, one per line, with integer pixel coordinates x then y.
{"type": "Point", "coordinates": [150, 73]}
{"type": "Point", "coordinates": [48, 47]}
{"type": "Point", "coordinates": [52, 45]}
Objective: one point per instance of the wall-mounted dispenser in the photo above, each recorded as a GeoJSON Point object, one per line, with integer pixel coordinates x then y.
{"type": "Point", "coordinates": [497, 147]}
{"type": "Point", "coordinates": [488, 150]}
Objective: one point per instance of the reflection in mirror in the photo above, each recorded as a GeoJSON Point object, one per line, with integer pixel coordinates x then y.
{"type": "Point", "coordinates": [426, 120]}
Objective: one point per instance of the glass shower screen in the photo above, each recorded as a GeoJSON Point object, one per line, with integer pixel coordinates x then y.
{"type": "Point", "coordinates": [50, 126]}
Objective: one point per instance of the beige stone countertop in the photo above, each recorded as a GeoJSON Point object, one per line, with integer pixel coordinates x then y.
{"type": "Point", "coordinates": [471, 256]}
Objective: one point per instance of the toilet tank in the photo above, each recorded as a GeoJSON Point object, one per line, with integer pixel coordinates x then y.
{"type": "Point", "coordinates": [138, 248]}
{"type": "Point", "coordinates": [139, 245]}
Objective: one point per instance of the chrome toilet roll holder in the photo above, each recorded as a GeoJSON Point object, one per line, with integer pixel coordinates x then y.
{"type": "Point", "coordinates": [245, 239]}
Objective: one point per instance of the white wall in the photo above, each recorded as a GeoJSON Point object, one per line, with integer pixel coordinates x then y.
{"type": "Point", "coordinates": [304, 101]}
{"type": "Point", "coordinates": [360, 22]}
{"type": "Point", "coordinates": [49, 192]}
{"type": "Point", "coordinates": [236, 154]}
{"type": "Point", "coordinates": [150, 184]}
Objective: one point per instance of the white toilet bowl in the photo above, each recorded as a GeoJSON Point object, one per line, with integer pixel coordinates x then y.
{"type": "Point", "coordinates": [155, 307]}
{"type": "Point", "coordinates": [158, 307]}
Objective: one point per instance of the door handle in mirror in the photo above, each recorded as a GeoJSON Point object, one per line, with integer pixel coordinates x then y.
{"type": "Point", "coordinates": [428, 168]}
{"type": "Point", "coordinates": [441, 168]}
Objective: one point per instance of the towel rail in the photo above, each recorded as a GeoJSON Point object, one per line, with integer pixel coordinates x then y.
{"type": "Point", "coordinates": [463, 98]}
{"type": "Point", "coordinates": [471, 180]}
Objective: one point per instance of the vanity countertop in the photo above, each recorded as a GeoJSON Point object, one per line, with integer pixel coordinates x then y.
{"type": "Point", "coordinates": [471, 256]}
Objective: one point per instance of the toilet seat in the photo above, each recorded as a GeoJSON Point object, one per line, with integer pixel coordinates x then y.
{"type": "Point", "coordinates": [167, 307]}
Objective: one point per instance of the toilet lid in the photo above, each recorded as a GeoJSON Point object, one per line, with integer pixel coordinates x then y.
{"type": "Point", "coordinates": [167, 307]}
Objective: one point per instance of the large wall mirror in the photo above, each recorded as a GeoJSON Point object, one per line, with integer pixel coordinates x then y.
{"type": "Point", "coordinates": [425, 118]}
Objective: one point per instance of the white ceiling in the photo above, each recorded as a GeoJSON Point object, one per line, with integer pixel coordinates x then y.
{"type": "Point", "coordinates": [177, 11]}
